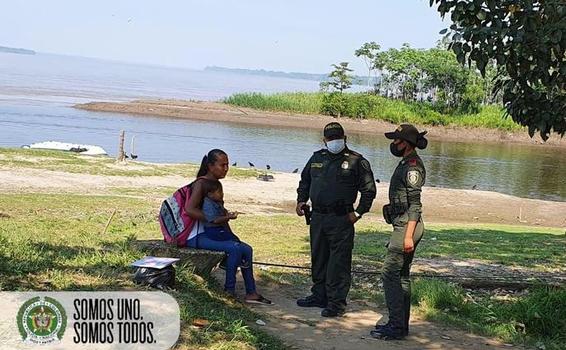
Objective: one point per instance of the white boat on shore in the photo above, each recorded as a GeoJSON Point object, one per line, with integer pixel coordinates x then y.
{"type": "Point", "coordinates": [90, 150]}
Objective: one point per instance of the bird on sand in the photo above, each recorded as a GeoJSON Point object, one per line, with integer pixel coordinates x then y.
{"type": "Point", "coordinates": [296, 171]}
{"type": "Point", "coordinates": [251, 164]}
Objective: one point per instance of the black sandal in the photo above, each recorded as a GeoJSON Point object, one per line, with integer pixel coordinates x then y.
{"type": "Point", "coordinates": [261, 300]}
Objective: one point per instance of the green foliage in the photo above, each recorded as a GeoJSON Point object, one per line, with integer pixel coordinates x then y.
{"type": "Point", "coordinates": [438, 295]}
{"type": "Point", "coordinates": [333, 104]}
{"type": "Point", "coordinates": [369, 106]}
{"type": "Point", "coordinates": [298, 102]}
{"type": "Point", "coordinates": [527, 40]}
{"type": "Point", "coordinates": [368, 52]}
{"type": "Point", "coordinates": [535, 317]}
{"type": "Point", "coordinates": [472, 98]}
{"type": "Point", "coordinates": [542, 312]}
{"type": "Point", "coordinates": [340, 78]}
{"type": "Point", "coordinates": [433, 75]}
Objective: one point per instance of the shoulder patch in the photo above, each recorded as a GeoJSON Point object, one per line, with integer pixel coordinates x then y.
{"type": "Point", "coordinates": [414, 178]}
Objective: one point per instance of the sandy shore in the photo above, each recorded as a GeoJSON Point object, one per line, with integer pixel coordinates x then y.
{"type": "Point", "coordinates": [252, 196]}
{"type": "Point", "coordinates": [214, 111]}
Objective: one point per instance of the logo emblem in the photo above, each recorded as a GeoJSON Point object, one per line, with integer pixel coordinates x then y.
{"type": "Point", "coordinates": [41, 320]}
{"type": "Point", "coordinates": [413, 177]}
{"type": "Point", "coordinates": [345, 165]}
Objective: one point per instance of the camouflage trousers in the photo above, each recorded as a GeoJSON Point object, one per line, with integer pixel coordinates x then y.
{"type": "Point", "coordinates": [396, 275]}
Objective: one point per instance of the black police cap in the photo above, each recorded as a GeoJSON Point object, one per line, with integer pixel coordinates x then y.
{"type": "Point", "coordinates": [333, 130]}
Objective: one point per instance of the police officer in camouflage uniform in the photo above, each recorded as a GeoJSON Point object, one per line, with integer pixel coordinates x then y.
{"type": "Point", "coordinates": [332, 179]}
{"type": "Point", "coordinates": [404, 213]}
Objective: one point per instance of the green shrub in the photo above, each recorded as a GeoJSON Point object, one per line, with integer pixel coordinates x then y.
{"type": "Point", "coordinates": [369, 106]}
{"type": "Point", "coordinates": [537, 316]}
{"type": "Point", "coordinates": [334, 104]}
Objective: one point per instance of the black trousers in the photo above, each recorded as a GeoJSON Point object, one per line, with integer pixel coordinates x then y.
{"type": "Point", "coordinates": [332, 241]}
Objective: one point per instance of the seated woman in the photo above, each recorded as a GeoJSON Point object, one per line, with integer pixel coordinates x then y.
{"type": "Point", "coordinates": [213, 231]}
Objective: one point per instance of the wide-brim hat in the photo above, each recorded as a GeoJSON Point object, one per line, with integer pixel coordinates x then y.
{"type": "Point", "coordinates": [409, 133]}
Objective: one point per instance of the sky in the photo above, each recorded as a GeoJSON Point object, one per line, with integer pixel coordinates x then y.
{"type": "Point", "coordinates": [285, 35]}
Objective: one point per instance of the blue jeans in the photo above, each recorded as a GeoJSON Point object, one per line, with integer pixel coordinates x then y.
{"type": "Point", "coordinates": [219, 233]}
{"type": "Point", "coordinates": [238, 252]}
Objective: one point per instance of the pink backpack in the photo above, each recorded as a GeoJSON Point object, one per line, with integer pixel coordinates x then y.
{"type": "Point", "coordinates": [176, 225]}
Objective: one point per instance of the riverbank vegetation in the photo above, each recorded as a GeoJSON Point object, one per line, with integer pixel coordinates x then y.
{"type": "Point", "coordinates": [427, 87]}
{"type": "Point", "coordinates": [371, 106]}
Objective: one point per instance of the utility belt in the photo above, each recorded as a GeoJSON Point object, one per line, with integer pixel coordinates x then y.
{"type": "Point", "coordinates": [391, 211]}
{"type": "Point", "coordinates": [337, 209]}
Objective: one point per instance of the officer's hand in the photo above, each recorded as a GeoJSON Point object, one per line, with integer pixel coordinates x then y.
{"type": "Point", "coordinates": [408, 245]}
{"type": "Point", "coordinates": [352, 217]}
{"type": "Point", "coordinates": [299, 208]}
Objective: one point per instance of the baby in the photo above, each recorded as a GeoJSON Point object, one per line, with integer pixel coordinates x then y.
{"type": "Point", "coordinates": [218, 235]}
{"type": "Point", "coordinates": [217, 217]}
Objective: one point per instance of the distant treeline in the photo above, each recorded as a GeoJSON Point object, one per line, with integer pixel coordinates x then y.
{"type": "Point", "coordinates": [15, 50]}
{"type": "Point", "coordinates": [357, 80]}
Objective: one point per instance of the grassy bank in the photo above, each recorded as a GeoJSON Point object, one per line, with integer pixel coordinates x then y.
{"type": "Point", "coordinates": [55, 242]}
{"type": "Point", "coordinates": [538, 248]}
{"type": "Point", "coordinates": [17, 158]}
{"type": "Point", "coordinates": [535, 318]}
{"type": "Point", "coordinates": [356, 105]}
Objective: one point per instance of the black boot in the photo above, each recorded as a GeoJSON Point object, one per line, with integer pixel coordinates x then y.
{"type": "Point", "coordinates": [332, 312]}
{"type": "Point", "coordinates": [387, 332]}
{"type": "Point", "coordinates": [380, 327]}
{"type": "Point", "coordinates": [311, 301]}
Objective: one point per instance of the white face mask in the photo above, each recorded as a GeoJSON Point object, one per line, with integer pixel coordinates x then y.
{"type": "Point", "coordinates": [336, 146]}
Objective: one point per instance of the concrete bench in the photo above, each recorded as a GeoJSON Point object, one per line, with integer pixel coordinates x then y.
{"type": "Point", "coordinates": [203, 261]}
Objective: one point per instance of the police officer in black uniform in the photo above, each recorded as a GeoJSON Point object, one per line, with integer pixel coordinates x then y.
{"type": "Point", "coordinates": [332, 179]}
{"type": "Point", "coordinates": [404, 213]}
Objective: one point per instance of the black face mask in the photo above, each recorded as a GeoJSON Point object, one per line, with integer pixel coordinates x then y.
{"type": "Point", "coordinates": [396, 151]}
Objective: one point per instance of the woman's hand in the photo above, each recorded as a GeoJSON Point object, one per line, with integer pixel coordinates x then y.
{"type": "Point", "coordinates": [233, 215]}
{"type": "Point", "coordinates": [408, 245]}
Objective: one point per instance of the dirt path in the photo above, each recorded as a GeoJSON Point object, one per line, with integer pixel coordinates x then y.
{"type": "Point", "coordinates": [304, 328]}
{"type": "Point", "coordinates": [214, 111]}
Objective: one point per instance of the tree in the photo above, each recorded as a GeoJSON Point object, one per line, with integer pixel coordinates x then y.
{"type": "Point", "coordinates": [400, 71]}
{"type": "Point", "coordinates": [443, 75]}
{"type": "Point", "coordinates": [340, 78]}
{"type": "Point", "coordinates": [368, 52]}
{"type": "Point", "coordinates": [417, 74]}
{"type": "Point", "coordinates": [527, 40]}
